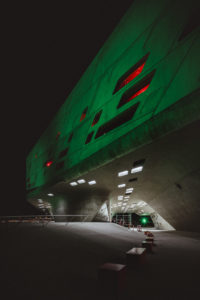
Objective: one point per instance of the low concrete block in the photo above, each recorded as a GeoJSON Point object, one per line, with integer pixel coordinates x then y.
{"type": "Point", "coordinates": [112, 278]}
{"type": "Point", "coordinates": [148, 245]}
{"type": "Point", "coordinates": [135, 257]}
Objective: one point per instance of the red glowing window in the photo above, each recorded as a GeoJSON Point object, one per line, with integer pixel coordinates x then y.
{"type": "Point", "coordinates": [131, 74]}
{"type": "Point", "coordinates": [136, 90]}
{"type": "Point", "coordinates": [96, 118]}
{"type": "Point", "coordinates": [58, 134]}
{"type": "Point", "coordinates": [48, 163]}
{"type": "Point", "coordinates": [89, 137]}
{"type": "Point", "coordinates": [83, 114]}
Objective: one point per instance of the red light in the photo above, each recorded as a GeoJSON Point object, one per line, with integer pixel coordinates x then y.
{"type": "Point", "coordinates": [82, 117]}
{"type": "Point", "coordinates": [49, 163]}
{"type": "Point", "coordinates": [132, 76]}
{"type": "Point", "coordinates": [58, 134]}
{"type": "Point", "coordinates": [142, 90]}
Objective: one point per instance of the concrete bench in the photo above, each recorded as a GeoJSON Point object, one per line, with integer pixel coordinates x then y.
{"type": "Point", "coordinates": [135, 257]}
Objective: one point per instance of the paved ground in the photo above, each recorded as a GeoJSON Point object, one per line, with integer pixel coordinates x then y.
{"type": "Point", "coordinates": [61, 261]}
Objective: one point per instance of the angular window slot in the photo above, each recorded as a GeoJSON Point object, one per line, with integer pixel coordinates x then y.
{"type": "Point", "coordinates": [96, 118]}
{"type": "Point", "coordinates": [64, 152]}
{"type": "Point", "coordinates": [84, 114]}
{"type": "Point", "coordinates": [89, 137]}
{"type": "Point", "coordinates": [119, 120]}
{"type": "Point", "coordinates": [131, 74]}
{"type": "Point", "coordinates": [136, 90]}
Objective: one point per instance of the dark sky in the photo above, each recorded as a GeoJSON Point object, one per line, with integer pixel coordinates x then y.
{"type": "Point", "coordinates": [46, 49]}
{"type": "Point", "coordinates": [62, 42]}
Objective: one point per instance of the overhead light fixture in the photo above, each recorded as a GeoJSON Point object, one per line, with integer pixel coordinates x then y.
{"type": "Point", "coordinates": [129, 190]}
{"type": "Point", "coordinates": [120, 198]}
{"type": "Point", "coordinates": [127, 197]}
{"type": "Point", "coordinates": [50, 195]}
{"type": "Point", "coordinates": [40, 200]}
{"type": "Point", "coordinates": [124, 204]}
{"type": "Point", "coordinates": [92, 182]}
{"type": "Point", "coordinates": [137, 169]}
{"type": "Point", "coordinates": [121, 185]}
{"type": "Point", "coordinates": [81, 181]}
{"type": "Point", "coordinates": [73, 183]}
{"type": "Point", "coordinates": [123, 173]}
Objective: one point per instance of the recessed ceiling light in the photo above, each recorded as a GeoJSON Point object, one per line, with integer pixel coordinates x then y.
{"type": "Point", "coordinates": [81, 181]}
{"type": "Point", "coordinates": [123, 173]}
{"type": "Point", "coordinates": [129, 190]}
{"type": "Point", "coordinates": [127, 197]}
{"type": "Point", "coordinates": [120, 198]}
{"type": "Point", "coordinates": [121, 185]}
{"type": "Point", "coordinates": [73, 183]}
{"type": "Point", "coordinates": [92, 182]}
{"type": "Point", "coordinates": [50, 195]}
{"type": "Point", "coordinates": [40, 200]}
{"type": "Point", "coordinates": [137, 169]}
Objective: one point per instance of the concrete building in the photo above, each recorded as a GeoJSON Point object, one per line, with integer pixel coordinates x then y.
{"type": "Point", "coordinates": [127, 137]}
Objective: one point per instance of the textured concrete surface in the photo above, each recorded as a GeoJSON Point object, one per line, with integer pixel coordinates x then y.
{"type": "Point", "coordinates": [61, 260]}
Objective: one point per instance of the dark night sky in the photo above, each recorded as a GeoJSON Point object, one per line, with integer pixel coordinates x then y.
{"type": "Point", "coordinates": [47, 49]}
{"type": "Point", "coordinates": [62, 42]}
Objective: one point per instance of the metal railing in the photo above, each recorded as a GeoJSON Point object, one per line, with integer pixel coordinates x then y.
{"type": "Point", "coordinates": [43, 218]}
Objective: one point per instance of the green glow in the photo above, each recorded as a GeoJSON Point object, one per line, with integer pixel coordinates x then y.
{"type": "Point", "coordinates": [144, 220]}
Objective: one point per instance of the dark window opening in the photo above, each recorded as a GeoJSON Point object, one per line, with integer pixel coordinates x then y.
{"type": "Point", "coordinates": [133, 179]}
{"type": "Point", "coordinates": [31, 190]}
{"type": "Point", "coordinates": [89, 137]}
{"type": "Point", "coordinates": [83, 114]}
{"type": "Point", "coordinates": [139, 162]}
{"type": "Point", "coordinates": [119, 120]}
{"type": "Point", "coordinates": [131, 74]}
{"type": "Point", "coordinates": [60, 165]}
{"type": "Point", "coordinates": [96, 118]}
{"type": "Point", "coordinates": [64, 152]}
{"type": "Point", "coordinates": [136, 90]}
{"type": "Point", "coordinates": [70, 137]}
{"type": "Point", "coordinates": [193, 22]}
{"type": "Point", "coordinates": [58, 134]}
{"type": "Point", "coordinates": [48, 163]}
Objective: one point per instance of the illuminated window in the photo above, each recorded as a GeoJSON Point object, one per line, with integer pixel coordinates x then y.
{"type": "Point", "coordinates": [89, 137]}
{"type": "Point", "coordinates": [136, 90]}
{"type": "Point", "coordinates": [83, 114]}
{"type": "Point", "coordinates": [123, 173]}
{"type": "Point", "coordinates": [119, 120]}
{"type": "Point", "coordinates": [131, 74]}
{"type": "Point", "coordinates": [137, 169]}
{"type": "Point", "coordinates": [96, 118]}
{"type": "Point", "coordinates": [74, 183]}
{"type": "Point", "coordinates": [48, 163]}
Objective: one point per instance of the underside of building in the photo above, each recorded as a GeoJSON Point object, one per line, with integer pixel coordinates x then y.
{"type": "Point", "coordinates": [126, 140]}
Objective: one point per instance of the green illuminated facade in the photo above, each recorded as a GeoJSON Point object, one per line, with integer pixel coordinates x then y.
{"type": "Point", "coordinates": [138, 100]}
